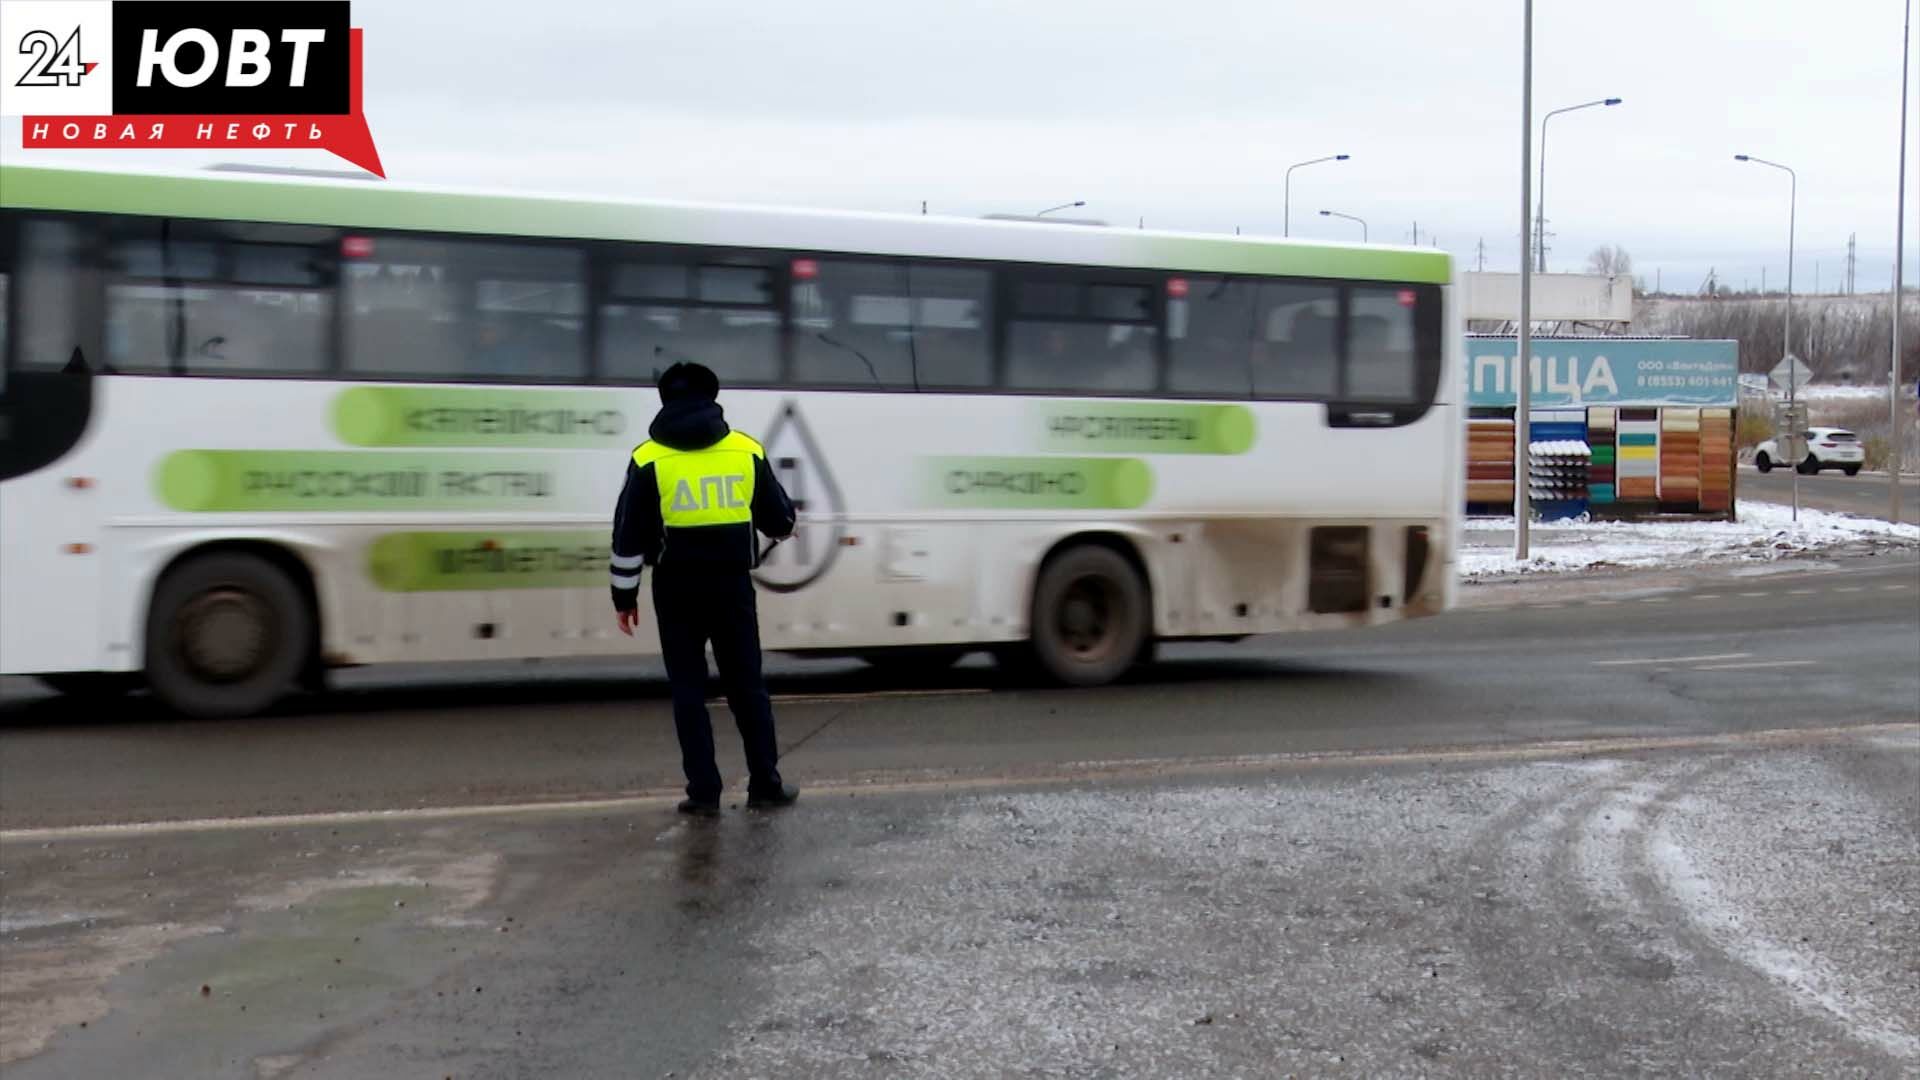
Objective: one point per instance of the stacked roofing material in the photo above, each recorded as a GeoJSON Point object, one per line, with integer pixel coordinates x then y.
{"type": "Point", "coordinates": [1637, 462]}
{"type": "Point", "coordinates": [1680, 456]}
{"type": "Point", "coordinates": [1490, 462]}
{"type": "Point", "coordinates": [1716, 460]}
{"type": "Point", "coordinates": [1557, 463]}
{"type": "Point", "coordinates": [1601, 422]}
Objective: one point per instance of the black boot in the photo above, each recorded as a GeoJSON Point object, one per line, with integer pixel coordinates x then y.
{"type": "Point", "coordinates": [699, 807]}
{"type": "Point", "coordinates": [784, 795]}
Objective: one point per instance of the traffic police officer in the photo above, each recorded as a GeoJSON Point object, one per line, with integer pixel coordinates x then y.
{"type": "Point", "coordinates": [695, 493]}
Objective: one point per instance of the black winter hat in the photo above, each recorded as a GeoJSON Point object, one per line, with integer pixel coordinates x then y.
{"type": "Point", "coordinates": [686, 381]}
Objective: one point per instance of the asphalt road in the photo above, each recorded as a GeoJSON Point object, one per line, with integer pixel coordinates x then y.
{"type": "Point", "coordinates": [1649, 826]}
{"type": "Point", "coordinates": [1864, 495]}
{"type": "Point", "coordinates": [1786, 649]}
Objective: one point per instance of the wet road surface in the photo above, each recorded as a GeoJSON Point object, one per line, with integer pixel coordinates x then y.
{"type": "Point", "coordinates": [1740, 906]}
{"type": "Point", "coordinates": [1836, 492]}
{"type": "Point", "coordinates": [1653, 826]}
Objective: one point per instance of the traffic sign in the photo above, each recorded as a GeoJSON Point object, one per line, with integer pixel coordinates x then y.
{"type": "Point", "coordinates": [1790, 367]}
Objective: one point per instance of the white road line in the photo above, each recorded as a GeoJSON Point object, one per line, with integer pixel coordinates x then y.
{"type": "Point", "coordinates": [1653, 599]}
{"type": "Point", "coordinates": [1546, 607]}
{"type": "Point", "coordinates": [1851, 588]}
{"type": "Point", "coordinates": [1076, 772]}
{"type": "Point", "coordinates": [1755, 664]}
{"type": "Point", "coordinates": [1893, 588]}
{"type": "Point", "coordinates": [1672, 659]}
{"type": "Point", "coordinates": [1801, 592]}
{"type": "Point", "coordinates": [1708, 596]}
{"type": "Point", "coordinates": [1753, 594]}
{"type": "Point", "coordinates": [1602, 603]}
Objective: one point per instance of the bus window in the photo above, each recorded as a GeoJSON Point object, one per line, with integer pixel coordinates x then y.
{"type": "Point", "coordinates": [663, 312]}
{"type": "Point", "coordinates": [55, 270]}
{"type": "Point", "coordinates": [455, 308]}
{"type": "Point", "coordinates": [1076, 338]}
{"type": "Point", "coordinates": [1296, 346]}
{"type": "Point", "coordinates": [181, 300]}
{"type": "Point", "coordinates": [852, 324]}
{"type": "Point", "coordinates": [1381, 357]}
{"type": "Point", "coordinates": [952, 326]}
{"type": "Point", "coordinates": [1210, 335]}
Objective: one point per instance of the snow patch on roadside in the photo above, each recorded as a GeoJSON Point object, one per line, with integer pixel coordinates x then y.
{"type": "Point", "coordinates": [1764, 533]}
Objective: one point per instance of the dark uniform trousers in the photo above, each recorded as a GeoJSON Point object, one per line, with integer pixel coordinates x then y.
{"type": "Point", "coordinates": [694, 607]}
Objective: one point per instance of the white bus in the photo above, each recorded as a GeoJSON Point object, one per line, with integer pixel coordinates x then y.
{"type": "Point", "coordinates": [252, 428]}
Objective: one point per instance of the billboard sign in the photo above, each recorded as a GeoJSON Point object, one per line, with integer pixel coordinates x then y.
{"type": "Point", "coordinates": [1574, 372]}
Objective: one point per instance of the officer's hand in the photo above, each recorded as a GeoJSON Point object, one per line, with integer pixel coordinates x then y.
{"type": "Point", "coordinates": [628, 620]}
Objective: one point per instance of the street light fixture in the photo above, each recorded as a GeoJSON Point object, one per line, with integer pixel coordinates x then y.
{"type": "Point", "coordinates": [1786, 348]}
{"type": "Point", "coordinates": [1540, 220]}
{"type": "Point", "coordinates": [1286, 197]}
{"type": "Point", "coordinates": [1062, 206]}
{"type": "Point", "coordinates": [1349, 217]}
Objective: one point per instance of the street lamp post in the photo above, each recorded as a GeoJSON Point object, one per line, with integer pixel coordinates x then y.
{"type": "Point", "coordinates": [1540, 220]}
{"type": "Point", "coordinates": [1062, 206]}
{"type": "Point", "coordinates": [1786, 348]}
{"type": "Point", "coordinates": [1286, 196]}
{"type": "Point", "coordinates": [1523, 349]}
{"type": "Point", "coordinates": [1348, 217]}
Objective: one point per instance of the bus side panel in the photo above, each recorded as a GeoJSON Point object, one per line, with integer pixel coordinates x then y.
{"type": "Point", "coordinates": [56, 570]}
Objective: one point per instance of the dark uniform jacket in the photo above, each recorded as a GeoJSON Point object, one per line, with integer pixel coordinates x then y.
{"type": "Point", "coordinates": [702, 523]}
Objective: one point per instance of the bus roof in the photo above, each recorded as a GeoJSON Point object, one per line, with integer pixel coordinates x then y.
{"type": "Point", "coordinates": [386, 205]}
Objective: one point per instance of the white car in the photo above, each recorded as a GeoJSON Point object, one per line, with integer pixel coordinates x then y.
{"type": "Point", "coordinates": [1827, 448]}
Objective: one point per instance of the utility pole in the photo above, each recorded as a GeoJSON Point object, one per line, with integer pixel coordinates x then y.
{"type": "Point", "coordinates": [1481, 262]}
{"type": "Point", "coordinates": [1852, 240]}
{"type": "Point", "coordinates": [1899, 258]}
{"type": "Point", "coordinates": [1656, 281]}
{"type": "Point", "coordinates": [1523, 353]}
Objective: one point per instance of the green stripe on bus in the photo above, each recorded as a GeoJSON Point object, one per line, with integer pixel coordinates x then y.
{"type": "Point", "coordinates": [455, 416]}
{"type": "Point", "coordinates": [480, 561]}
{"type": "Point", "coordinates": [1146, 428]}
{"type": "Point", "coordinates": [1035, 483]}
{"type": "Point", "coordinates": [375, 205]}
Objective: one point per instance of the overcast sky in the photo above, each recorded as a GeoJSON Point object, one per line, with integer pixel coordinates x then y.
{"type": "Point", "coordinates": [1183, 113]}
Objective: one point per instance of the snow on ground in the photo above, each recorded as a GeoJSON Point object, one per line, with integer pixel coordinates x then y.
{"type": "Point", "coordinates": [1765, 532]}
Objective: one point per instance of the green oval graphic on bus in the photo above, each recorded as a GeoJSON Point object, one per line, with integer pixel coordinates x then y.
{"type": "Point", "coordinates": [1147, 427]}
{"type": "Point", "coordinates": [209, 481]}
{"type": "Point", "coordinates": [448, 416]}
{"type": "Point", "coordinates": [479, 561]}
{"type": "Point", "coordinates": [1039, 483]}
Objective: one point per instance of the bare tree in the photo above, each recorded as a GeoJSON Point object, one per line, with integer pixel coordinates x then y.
{"type": "Point", "coordinates": [1609, 260]}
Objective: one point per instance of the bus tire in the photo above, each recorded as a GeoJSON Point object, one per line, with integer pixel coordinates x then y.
{"type": "Point", "coordinates": [1091, 621]}
{"type": "Point", "coordinates": [228, 635]}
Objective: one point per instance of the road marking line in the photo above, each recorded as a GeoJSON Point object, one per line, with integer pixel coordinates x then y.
{"type": "Point", "coordinates": [1756, 664]}
{"type": "Point", "coordinates": [1851, 588]}
{"type": "Point", "coordinates": [1708, 596]}
{"type": "Point", "coordinates": [1546, 607]}
{"type": "Point", "coordinates": [1672, 659]}
{"type": "Point", "coordinates": [1753, 594]}
{"type": "Point", "coordinates": [1801, 592]}
{"type": "Point", "coordinates": [1603, 603]}
{"type": "Point", "coordinates": [1893, 588]}
{"type": "Point", "coordinates": [1072, 772]}
{"type": "Point", "coordinates": [1653, 599]}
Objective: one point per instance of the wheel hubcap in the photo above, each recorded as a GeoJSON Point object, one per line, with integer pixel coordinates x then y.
{"type": "Point", "coordinates": [225, 634]}
{"type": "Point", "coordinates": [1088, 620]}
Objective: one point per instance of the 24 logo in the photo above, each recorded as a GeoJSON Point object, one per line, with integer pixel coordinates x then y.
{"type": "Point", "coordinates": [55, 63]}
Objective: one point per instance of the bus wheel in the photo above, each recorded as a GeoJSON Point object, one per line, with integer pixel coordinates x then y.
{"type": "Point", "coordinates": [1090, 618]}
{"type": "Point", "coordinates": [93, 685]}
{"type": "Point", "coordinates": [228, 635]}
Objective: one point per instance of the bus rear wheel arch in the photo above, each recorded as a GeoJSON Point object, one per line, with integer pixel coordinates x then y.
{"type": "Point", "coordinates": [1092, 617]}
{"type": "Point", "coordinates": [231, 631]}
